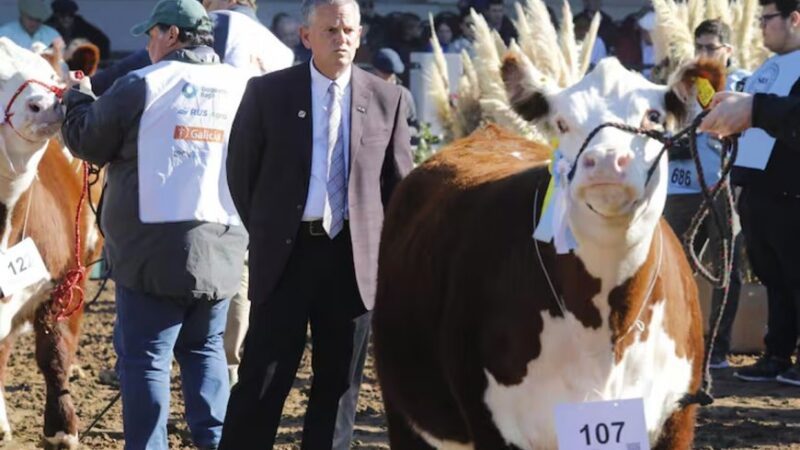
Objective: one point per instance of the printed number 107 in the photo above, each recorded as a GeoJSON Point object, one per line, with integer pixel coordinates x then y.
{"type": "Point", "coordinates": [602, 434]}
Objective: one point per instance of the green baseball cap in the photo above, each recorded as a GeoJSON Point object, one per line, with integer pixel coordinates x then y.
{"type": "Point", "coordinates": [35, 9]}
{"type": "Point", "coordinates": [187, 14]}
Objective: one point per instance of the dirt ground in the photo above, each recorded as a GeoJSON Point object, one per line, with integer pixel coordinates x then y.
{"type": "Point", "coordinates": [745, 415]}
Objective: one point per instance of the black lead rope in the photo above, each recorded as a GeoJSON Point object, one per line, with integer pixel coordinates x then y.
{"type": "Point", "coordinates": [728, 154]}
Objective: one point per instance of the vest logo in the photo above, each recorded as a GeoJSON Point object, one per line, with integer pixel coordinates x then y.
{"type": "Point", "coordinates": [189, 91]}
{"type": "Point", "coordinates": [183, 133]}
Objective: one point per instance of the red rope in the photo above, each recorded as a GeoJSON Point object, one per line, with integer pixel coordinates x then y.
{"type": "Point", "coordinates": [59, 92]}
{"type": "Point", "coordinates": [68, 296]}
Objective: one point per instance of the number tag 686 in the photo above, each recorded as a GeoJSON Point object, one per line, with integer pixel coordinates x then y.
{"type": "Point", "coordinates": [618, 425]}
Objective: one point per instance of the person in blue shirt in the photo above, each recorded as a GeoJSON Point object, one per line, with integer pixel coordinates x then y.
{"type": "Point", "coordinates": [29, 29]}
{"type": "Point", "coordinates": [712, 40]}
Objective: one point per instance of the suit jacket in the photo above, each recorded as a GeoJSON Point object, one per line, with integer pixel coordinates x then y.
{"type": "Point", "coordinates": [269, 168]}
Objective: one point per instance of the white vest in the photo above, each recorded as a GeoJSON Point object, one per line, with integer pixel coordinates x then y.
{"type": "Point", "coordinates": [183, 142]}
{"type": "Point", "coordinates": [251, 46]}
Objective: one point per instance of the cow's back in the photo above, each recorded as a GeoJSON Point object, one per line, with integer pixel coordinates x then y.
{"type": "Point", "coordinates": [468, 206]}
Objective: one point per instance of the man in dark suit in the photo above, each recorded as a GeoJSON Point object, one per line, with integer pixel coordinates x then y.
{"type": "Point", "coordinates": [315, 152]}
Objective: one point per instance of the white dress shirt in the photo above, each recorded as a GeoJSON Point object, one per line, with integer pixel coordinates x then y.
{"type": "Point", "coordinates": [321, 155]}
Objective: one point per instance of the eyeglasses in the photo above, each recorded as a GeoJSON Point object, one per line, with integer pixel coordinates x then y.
{"type": "Point", "coordinates": [707, 48]}
{"type": "Point", "coordinates": [767, 17]}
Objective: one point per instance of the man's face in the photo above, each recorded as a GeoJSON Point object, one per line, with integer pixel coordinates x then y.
{"type": "Point", "coordinates": [30, 24]}
{"type": "Point", "coordinates": [161, 42]}
{"type": "Point", "coordinates": [65, 20]}
{"type": "Point", "coordinates": [709, 46]}
{"type": "Point", "coordinates": [288, 31]}
{"type": "Point", "coordinates": [494, 15]}
{"type": "Point", "coordinates": [333, 36]}
{"type": "Point", "coordinates": [775, 28]}
{"type": "Point", "coordinates": [217, 5]}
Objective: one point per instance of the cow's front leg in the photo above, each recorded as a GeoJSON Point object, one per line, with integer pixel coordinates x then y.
{"type": "Point", "coordinates": [678, 431]}
{"type": "Point", "coordinates": [53, 357]}
{"type": "Point", "coordinates": [5, 351]}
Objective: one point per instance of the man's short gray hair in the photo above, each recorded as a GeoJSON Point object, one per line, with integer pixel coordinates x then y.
{"type": "Point", "coordinates": [309, 6]}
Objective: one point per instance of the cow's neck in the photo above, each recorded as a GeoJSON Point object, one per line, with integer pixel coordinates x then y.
{"type": "Point", "coordinates": [614, 262]}
{"type": "Point", "coordinates": [19, 160]}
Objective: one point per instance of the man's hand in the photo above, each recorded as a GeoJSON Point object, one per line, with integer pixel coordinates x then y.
{"type": "Point", "coordinates": [731, 113]}
{"type": "Point", "coordinates": [80, 81]}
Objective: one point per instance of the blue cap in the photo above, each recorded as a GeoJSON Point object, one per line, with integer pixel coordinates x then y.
{"type": "Point", "coordinates": [388, 61]}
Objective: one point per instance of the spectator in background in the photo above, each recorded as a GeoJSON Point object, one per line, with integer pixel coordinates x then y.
{"type": "Point", "coordinates": [495, 14]}
{"type": "Point", "coordinates": [287, 29]}
{"type": "Point", "coordinates": [242, 41]}
{"type": "Point", "coordinates": [373, 33]}
{"type": "Point", "coordinates": [634, 49]}
{"type": "Point", "coordinates": [30, 29]}
{"type": "Point", "coordinates": [712, 39]}
{"type": "Point", "coordinates": [608, 29]}
{"type": "Point", "coordinates": [466, 37]}
{"type": "Point", "coordinates": [445, 26]}
{"type": "Point", "coordinates": [407, 31]}
{"type": "Point", "coordinates": [73, 26]}
{"type": "Point", "coordinates": [599, 51]}
{"type": "Point", "coordinates": [387, 65]}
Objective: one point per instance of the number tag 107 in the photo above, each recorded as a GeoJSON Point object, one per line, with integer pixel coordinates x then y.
{"type": "Point", "coordinates": [21, 266]}
{"type": "Point", "coordinates": [617, 425]}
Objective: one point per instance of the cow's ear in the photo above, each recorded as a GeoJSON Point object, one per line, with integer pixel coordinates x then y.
{"type": "Point", "coordinates": [681, 100]}
{"type": "Point", "coordinates": [84, 57]}
{"type": "Point", "coordinates": [525, 87]}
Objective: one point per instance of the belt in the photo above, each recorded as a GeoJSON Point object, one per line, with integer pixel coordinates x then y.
{"type": "Point", "coordinates": [313, 228]}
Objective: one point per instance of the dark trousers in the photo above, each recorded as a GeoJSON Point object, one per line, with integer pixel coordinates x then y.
{"type": "Point", "coordinates": [770, 223]}
{"type": "Point", "coordinates": [317, 286]}
{"type": "Point", "coordinates": [679, 211]}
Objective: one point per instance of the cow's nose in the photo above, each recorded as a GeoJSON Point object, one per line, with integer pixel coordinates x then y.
{"type": "Point", "coordinates": [37, 104]}
{"type": "Point", "coordinates": [607, 161]}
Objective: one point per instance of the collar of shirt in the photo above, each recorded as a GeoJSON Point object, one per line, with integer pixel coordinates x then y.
{"type": "Point", "coordinates": [320, 81]}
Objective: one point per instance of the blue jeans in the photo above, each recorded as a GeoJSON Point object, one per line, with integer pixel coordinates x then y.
{"type": "Point", "coordinates": [147, 331]}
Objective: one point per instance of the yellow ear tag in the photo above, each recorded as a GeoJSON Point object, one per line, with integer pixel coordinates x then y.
{"type": "Point", "coordinates": [552, 184]}
{"type": "Point", "coordinates": [705, 92]}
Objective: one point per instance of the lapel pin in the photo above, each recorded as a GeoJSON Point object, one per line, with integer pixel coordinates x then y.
{"type": "Point", "coordinates": [301, 114]}
{"type": "Point", "coordinates": [361, 109]}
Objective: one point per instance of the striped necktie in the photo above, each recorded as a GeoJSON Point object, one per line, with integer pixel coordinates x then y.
{"type": "Point", "coordinates": [336, 195]}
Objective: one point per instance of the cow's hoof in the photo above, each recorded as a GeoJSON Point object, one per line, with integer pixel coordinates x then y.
{"type": "Point", "coordinates": [61, 441]}
{"type": "Point", "coordinates": [76, 372]}
{"type": "Point", "coordinates": [5, 435]}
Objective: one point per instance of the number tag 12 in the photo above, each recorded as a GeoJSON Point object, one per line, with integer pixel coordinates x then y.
{"type": "Point", "coordinates": [617, 425]}
{"type": "Point", "coordinates": [21, 266]}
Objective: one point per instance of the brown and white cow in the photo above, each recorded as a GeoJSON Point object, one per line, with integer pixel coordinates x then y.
{"type": "Point", "coordinates": [473, 349]}
{"type": "Point", "coordinates": [39, 192]}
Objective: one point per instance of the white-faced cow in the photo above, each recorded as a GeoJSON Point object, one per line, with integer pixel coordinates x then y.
{"type": "Point", "coordinates": [478, 335]}
{"type": "Point", "coordinates": [39, 193]}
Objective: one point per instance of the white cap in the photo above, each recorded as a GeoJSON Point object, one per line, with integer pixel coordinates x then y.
{"type": "Point", "coordinates": [648, 21]}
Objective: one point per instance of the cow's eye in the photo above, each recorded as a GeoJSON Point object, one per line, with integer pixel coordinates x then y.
{"type": "Point", "coordinates": [562, 126]}
{"type": "Point", "coordinates": [654, 117]}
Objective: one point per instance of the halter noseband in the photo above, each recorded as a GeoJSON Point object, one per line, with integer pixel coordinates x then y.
{"type": "Point", "coordinates": [59, 92]}
{"type": "Point", "coordinates": [668, 141]}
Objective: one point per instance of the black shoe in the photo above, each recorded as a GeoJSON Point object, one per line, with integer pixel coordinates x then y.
{"type": "Point", "coordinates": [791, 376]}
{"type": "Point", "coordinates": [718, 362]}
{"type": "Point", "coordinates": [767, 368]}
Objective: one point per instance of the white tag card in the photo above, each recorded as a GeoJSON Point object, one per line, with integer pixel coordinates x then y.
{"type": "Point", "coordinates": [608, 425]}
{"type": "Point", "coordinates": [21, 266]}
